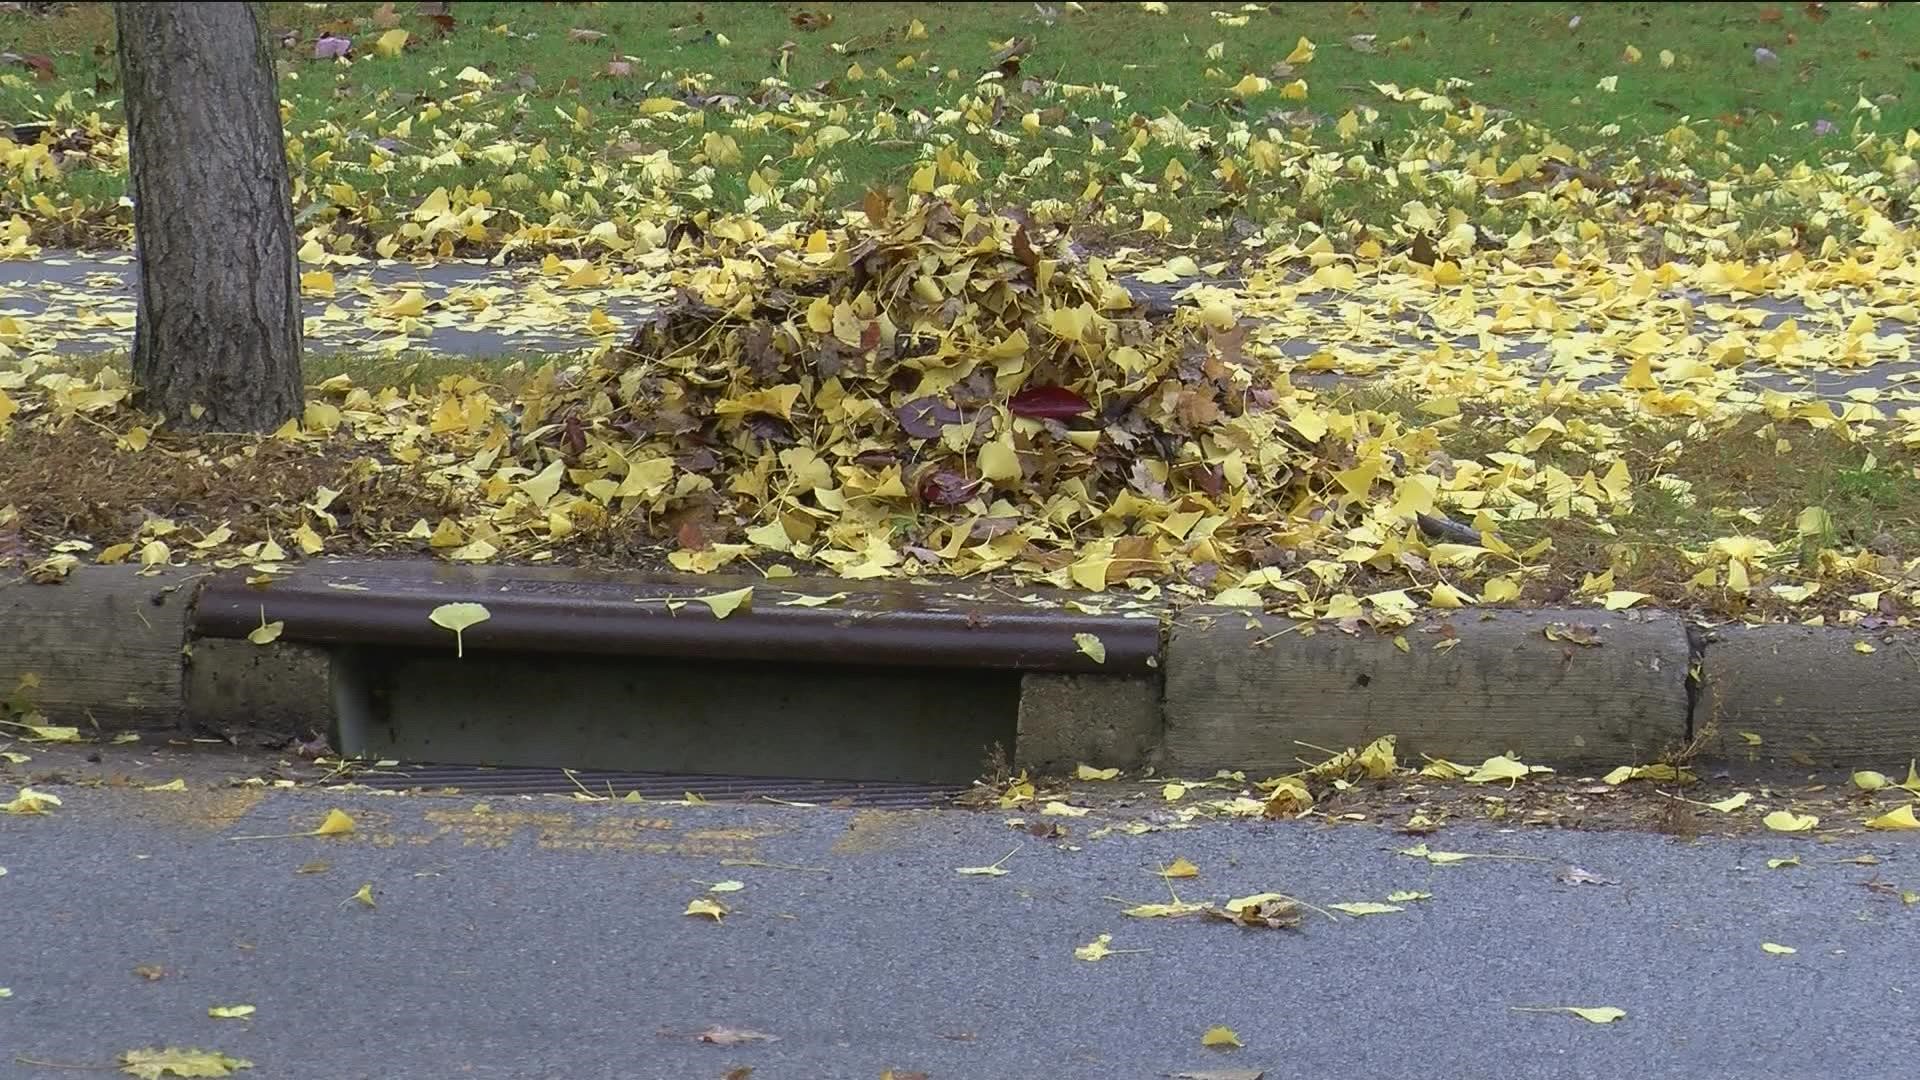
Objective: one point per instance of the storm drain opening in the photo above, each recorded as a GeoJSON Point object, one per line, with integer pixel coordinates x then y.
{"type": "Point", "coordinates": [647, 715]}
{"type": "Point", "coordinates": [481, 780]}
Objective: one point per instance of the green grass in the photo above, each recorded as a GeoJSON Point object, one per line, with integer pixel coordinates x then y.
{"type": "Point", "coordinates": [1527, 79]}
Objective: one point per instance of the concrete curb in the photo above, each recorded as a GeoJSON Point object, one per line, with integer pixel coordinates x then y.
{"type": "Point", "coordinates": [1570, 688]}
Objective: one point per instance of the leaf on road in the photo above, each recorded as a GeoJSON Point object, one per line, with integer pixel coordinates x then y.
{"type": "Point", "coordinates": [1088, 772]}
{"type": "Point", "coordinates": [364, 895]}
{"type": "Point", "coordinates": [1270, 910]}
{"type": "Point", "coordinates": [726, 1036]}
{"type": "Point", "coordinates": [1221, 1038]}
{"type": "Point", "coordinates": [156, 1062]}
{"type": "Point", "coordinates": [1097, 949]}
{"type": "Point", "coordinates": [1059, 809]}
{"type": "Point", "coordinates": [1787, 863]}
{"type": "Point", "coordinates": [267, 632]}
{"type": "Point", "coordinates": [726, 886]}
{"type": "Point", "coordinates": [1179, 868]}
{"type": "Point", "coordinates": [176, 784]}
{"type": "Point", "coordinates": [712, 909]}
{"type": "Point", "coordinates": [1366, 907]}
{"type": "Point", "coordinates": [1404, 896]}
{"type": "Point", "coordinates": [1574, 875]}
{"type": "Point", "coordinates": [1731, 803]}
{"type": "Point", "coordinates": [1592, 1014]}
{"type": "Point", "coordinates": [1788, 821]}
{"type": "Point", "coordinates": [1091, 645]}
{"type": "Point", "coordinates": [230, 1012]}
{"type": "Point", "coordinates": [995, 869]}
{"type": "Point", "coordinates": [1173, 792]}
{"type": "Point", "coordinates": [1165, 911]}
{"type": "Point", "coordinates": [1868, 780]}
{"type": "Point", "coordinates": [29, 801]}
{"type": "Point", "coordinates": [1897, 818]}
{"type": "Point", "coordinates": [457, 618]}
{"type": "Point", "coordinates": [1778, 950]}
{"type": "Point", "coordinates": [336, 823]}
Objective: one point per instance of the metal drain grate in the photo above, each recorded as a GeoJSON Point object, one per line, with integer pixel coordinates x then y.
{"type": "Point", "coordinates": [522, 780]}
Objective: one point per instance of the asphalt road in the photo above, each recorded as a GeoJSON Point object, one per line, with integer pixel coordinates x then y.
{"type": "Point", "coordinates": [524, 938]}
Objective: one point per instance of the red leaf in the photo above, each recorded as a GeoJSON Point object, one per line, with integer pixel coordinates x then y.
{"type": "Point", "coordinates": [1048, 403]}
{"type": "Point", "coordinates": [945, 487]}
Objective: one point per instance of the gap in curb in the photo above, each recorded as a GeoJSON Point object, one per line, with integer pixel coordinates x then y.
{"type": "Point", "coordinates": [662, 715]}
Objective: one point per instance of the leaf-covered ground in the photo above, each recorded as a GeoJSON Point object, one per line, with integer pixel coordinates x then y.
{"type": "Point", "coordinates": [876, 290]}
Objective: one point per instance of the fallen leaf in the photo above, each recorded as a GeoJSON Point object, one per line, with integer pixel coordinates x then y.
{"type": "Point", "coordinates": [230, 1012]}
{"type": "Point", "coordinates": [364, 894]}
{"type": "Point", "coordinates": [1788, 821]}
{"type": "Point", "coordinates": [712, 909]}
{"type": "Point", "coordinates": [1366, 907]}
{"type": "Point", "coordinates": [1574, 875]}
{"type": "Point", "coordinates": [1503, 767]}
{"type": "Point", "coordinates": [1897, 818]}
{"type": "Point", "coordinates": [176, 784]}
{"type": "Point", "coordinates": [1060, 809]}
{"type": "Point", "coordinates": [156, 1062]}
{"type": "Point", "coordinates": [457, 618]}
{"type": "Point", "coordinates": [1732, 802]}
{"type": "Point", "coordinates": [1868, 780]}
{"type": "Point", "coordinates": [1179, 868]}
{"type": "Point", "coordinates": [315, 867]}
{"type": "Point", "coordinates": [150, 972]}
{"type": "Point", "coordinates": [1778, 950]}
{"type": "Point", "coordinates": [336, 823]}
{"type": "Point", "coordinates": [1097, 949]}
{"type": "Point", "coordinates": [1221, 1038]}
{"type": "Point", "coordinates": [725, 1036]}
{"type": "Point", "coordinates": [1596, 1014]}
{"type": "Point", "coordinates": [1088, 772]}
{"type": "Point", "coordinates": [996, 869]}
{"type": "Point", "coordinates": [1783, 864]}
{"type": "Point", "coordinates": [726, 886]}
{"type": "Point", "coordinates": [29, 801]}
{"type": "Point", "coordinates": [726, 603]}
{"type": "Point", "coordinates": [1404, 896]}
{"type": "Point", "coordinates": [1171, 910]}
{"type": "Point", "coordinates": [1092, 646]}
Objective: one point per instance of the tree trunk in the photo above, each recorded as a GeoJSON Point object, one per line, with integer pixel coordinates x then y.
{"type": "Point", "coordinates": [217, 345]}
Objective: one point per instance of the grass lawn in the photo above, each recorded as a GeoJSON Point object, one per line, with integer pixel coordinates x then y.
{"type": "Point", "coordinates": [568, 125]}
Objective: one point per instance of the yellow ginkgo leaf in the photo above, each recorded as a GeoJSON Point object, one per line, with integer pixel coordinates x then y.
{"type": "Point", "coordinates": [457, 618]}
{"type": "Point", "coordinates": [1868, 780]}
{"type": "Point", "coordinates": [336, 823]}
{"type": "Point", "coordinates": [230, 1012]}
{"type": "Point", "coordinates": [1097, 949]}
{"type": "Point", "coordinates": [390, 43]}
{"type": "Point", "coordinates": [712, 909]}
{"type": "Point", "coordinates": [1778, 950]}
{"type": "Point", "coordinates": [1731, 803]}
{"type": "Point", "coordinates": [726, 603]}
{"type": "Point", "coordinates": [1366, 907]}
{"type": "Point", "coordinates": [1091, 645]}
{"type": "Point", "coordinates": [1088, 772]}
{"type": "Point", "coordinates": [1788, 821]}
{"type": "Point", "coordinates": [29, 801]}
{"type": "Point", "coordinates": [176, 784]}
{"type": "Point", "coordinates": [1179, 868]}
{"type": "Point", "coordinates": [1898, 818]}
{"type": "Point", "coordinates": [1592, 1014]}
{"type": "Point", "coordinates": [1221, 1038]}
{"type": "Point", "coordinates": [364, 895]}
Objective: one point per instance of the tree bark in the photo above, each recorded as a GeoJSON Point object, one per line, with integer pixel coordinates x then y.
{"type": "Point", "coordinates": [217, 344]}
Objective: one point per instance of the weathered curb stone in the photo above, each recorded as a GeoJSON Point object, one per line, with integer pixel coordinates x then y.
{"type": "Point", "coordinates": [105, 644]}
{"type": "Point", "coordinates": [1811, 696]}
{"type": "Point", "coordinates": [279, 690]}
{"type": "Point", "coordinates": [1249, 692]}
{"type": "Point", "coordinates": [1099, 720]}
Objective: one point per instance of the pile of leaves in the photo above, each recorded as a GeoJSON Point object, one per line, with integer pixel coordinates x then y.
{"type": "Point", "coordinates": [953, 390]}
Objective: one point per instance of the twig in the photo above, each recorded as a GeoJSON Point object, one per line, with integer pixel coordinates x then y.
{"type": "Point", "coordinates": [23, 1060]}
{"type": "Point", "coordinates": [775, 866]}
